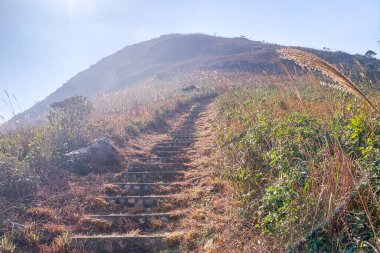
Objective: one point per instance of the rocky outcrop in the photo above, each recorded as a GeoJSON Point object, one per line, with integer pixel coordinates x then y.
{"type": "Point", "coordinates": [100, 156]}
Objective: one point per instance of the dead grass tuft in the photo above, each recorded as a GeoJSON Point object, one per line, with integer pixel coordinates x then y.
{"type": "Point", "coordinates": [96, 203]}
{"type": "Point", "coordinates": [111, 189]}
{"type": "Point", "coordinates": [157, 223]}
{"type": "Point", "coordinates": [54, 229]}
{"type": "Point", "coordinates": [42, 213]}
{"type": "Point", "coordinates": [89, 224]}
{"type": "Point", "coordinates": [174, 239]}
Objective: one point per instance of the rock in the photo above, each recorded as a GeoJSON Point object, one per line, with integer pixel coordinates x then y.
{"type": "Point", "coordinates": [108, 247]}
{"type": "Point", "coordinates": [190, 88]}
{"type": "Point", "coordinates": [93, 158]}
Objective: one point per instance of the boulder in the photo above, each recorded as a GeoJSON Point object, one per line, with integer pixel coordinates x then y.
{"type": "Point", "coordinates": [190, 88]}
{"type": "Point", "coordinates": [101, 154]}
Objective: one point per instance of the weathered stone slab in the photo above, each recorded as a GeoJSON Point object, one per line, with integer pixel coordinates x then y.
{"type": "Point", "coordinates": [149, 188]}
{"type": "Point", "coordinates": [137, 201]}
{"type": "Point", "coordinates": [141, 167]}
{"type": "Point", "coordinates": [151, 176]}
{"type": "Point", "coordinates": [118, 243]}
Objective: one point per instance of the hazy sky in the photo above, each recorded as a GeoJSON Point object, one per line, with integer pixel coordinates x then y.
{"type": "Point", "coordinates": [45, 42]}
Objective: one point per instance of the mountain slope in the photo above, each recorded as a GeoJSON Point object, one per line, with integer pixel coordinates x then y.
{"type": "Point", "coordinates": [179, 52]}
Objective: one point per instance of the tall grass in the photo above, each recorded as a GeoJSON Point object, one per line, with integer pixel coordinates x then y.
{"type": "Point", "coordinates": [299, 166]}
{"type": "Point", "coordinates": [313, 62]}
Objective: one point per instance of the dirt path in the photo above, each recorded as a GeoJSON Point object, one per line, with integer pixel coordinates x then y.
{"type": "Point", "coordinates": [145, 203]}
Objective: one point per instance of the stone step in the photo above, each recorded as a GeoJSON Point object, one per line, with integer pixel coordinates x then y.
{"type": "Point", "coordinates": [151, 176]}
{"type": "Point", "coordinates": [138, 201]}
{"type": "Point", "coordinates": [147, 188]}
{"type": "Point", "coordinates": [141, 167]}
{"type": "Point", "coordinates": [167, 148]}
{"type": "Point", "coordinates": [185, 129]}
{"type": "Point", "coordinates": [178, 140]}
{"type": "Point", "coordinates": [158, 159]}
{"type": "Point", "coordinates": [144, 221]}
{"type": "Point", "coordinates": [169, 159]}
{"type": "Point", "coordinates": [182, 135]}
{"type": "Point", "coordinates": [118, 243]}
{"type": "Point", "coordinates": [174, 144]}
{"type": "Point", "coordinates": [167, 203]}
{"type": "Point", "coordinates": [164, 153]}
{"type": "Point", "coordinates": [187, 125]}
{"type": "Point", "coordinates": [190, 141]}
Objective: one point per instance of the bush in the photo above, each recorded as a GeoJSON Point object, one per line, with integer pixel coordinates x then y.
{"type": "Point", "coordinates": [68, 120]}
{"type": "Point", "coordinates": [17, 181]}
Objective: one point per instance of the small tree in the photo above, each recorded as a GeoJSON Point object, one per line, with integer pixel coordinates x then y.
{"type": "Point", "coordinates": [370, 54]}
{"type": "Point", "coordinates": [67, 121]}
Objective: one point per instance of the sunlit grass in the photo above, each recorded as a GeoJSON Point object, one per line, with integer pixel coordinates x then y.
{"type": "Point", "coordinates": [297, 153]}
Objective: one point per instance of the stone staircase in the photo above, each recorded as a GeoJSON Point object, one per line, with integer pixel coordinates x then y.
{"type": "Point", "coordinates": [147, 198]}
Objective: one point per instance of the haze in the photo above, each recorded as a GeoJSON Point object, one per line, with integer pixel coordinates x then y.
{"type": "Point", "coordinates": [44, 43]}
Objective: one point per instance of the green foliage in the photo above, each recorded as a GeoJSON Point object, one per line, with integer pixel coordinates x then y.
{"type": "Point", "coordinates": [370, 54]}
{"type": "Point", "coordinates": [27, 153]}
{"type": "Point", "coordinates": [289, 164]}
{"type": "Point", "coordinates": [39, 150]}
{"type": "Point", "coordinates": [67, 122]}
{"type": "Point", "coordinates": [17, 180]}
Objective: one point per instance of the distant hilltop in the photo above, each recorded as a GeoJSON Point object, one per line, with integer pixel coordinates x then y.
{"type": "Point", "coordinates": [180, 52]}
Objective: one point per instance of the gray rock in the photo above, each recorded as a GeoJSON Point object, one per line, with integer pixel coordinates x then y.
{"type": "Point", "coordinates": [190, 88]}
{"type": "Point", "coordinates": [93, 158]}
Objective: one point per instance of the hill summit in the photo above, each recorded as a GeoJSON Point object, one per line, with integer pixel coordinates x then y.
{"type": "Point", "coordinates": [179, 52]}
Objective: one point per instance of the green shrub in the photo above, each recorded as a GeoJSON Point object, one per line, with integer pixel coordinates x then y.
{"type": "Point", "coordinates": [68, 120]}
{"type": "Point", "coordinates": [17, 180]}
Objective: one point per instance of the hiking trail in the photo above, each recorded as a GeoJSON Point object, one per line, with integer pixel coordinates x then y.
{"type": "Point", "coordinates": [146, 199]}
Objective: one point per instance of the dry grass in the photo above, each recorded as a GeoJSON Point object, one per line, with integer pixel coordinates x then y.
{"type": "Point", "coordinates": [157, 223]}
{"type": "Point", "coordinates": [42, 213]}
{"type": "Point", "coordinates": [54, 230]}
{"type": "Point", "coordinates": [173, 239]}
{"type": "Point", "coordinates": [313, 62]}
{"type": "Point", "coordinates": [88, 224]}
{"type": "Point", "coordinates": [135, 232]}
{"type": "Point", "coordinates": [6, 245]}
{"type": "Point", "coordinates": [110, 189]}
{"type": "Point", "coordinates": [334, 176]}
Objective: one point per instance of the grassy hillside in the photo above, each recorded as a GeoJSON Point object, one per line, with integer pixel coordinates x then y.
{"type": "Point", "coordinates": [181, 53]}
{"type": "Point", "coordinates": [304, 162]}
{"type": "Point", "coordinates": [294, 164]}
